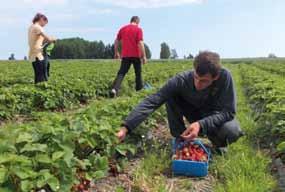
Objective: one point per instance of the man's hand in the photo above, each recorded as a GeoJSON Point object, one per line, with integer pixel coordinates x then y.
{"type": "Point", "coordinates": [117, 55]}
{"type": "Point", "coordinates": [191, 132]}
{"type": "Point", "coordinates": [144, 60]}
{"type": "Point", "coordinates": [52, 39]}
{"type": "Point", "coordinates": [122, 134]}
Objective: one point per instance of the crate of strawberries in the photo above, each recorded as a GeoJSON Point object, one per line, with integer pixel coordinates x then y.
{"type": "Point", "coordinates": [191, 158]}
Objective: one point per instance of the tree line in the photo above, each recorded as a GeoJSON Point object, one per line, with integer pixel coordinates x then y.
{"type": "Point", "coordinates": [78, 48]}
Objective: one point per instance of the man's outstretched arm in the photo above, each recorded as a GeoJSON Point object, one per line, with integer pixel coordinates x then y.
{"type": "Point", "coordinates": [142, 48]}
{"type": "Point", "coordinates": [116, 47]}
{"type": "Point", "coordinates": [148, 106]}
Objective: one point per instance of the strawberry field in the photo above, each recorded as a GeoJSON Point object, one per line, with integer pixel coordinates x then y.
{"type": "Point", "coordinates": [60, 135]}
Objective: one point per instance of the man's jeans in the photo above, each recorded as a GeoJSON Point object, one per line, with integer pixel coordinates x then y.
{"type": "Point", "coordinates": [125, 66]}
{"type": "Point", "coordinates": [228, 133]}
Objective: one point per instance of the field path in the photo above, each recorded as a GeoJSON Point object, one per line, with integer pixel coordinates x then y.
{"type": "Point", "coordinates": [125, 181]}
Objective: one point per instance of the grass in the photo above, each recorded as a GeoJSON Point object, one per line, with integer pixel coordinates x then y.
{"type": "Point", "coordinates": [244, 168]}
{"type": "Point", "coordinates": [149, 174]}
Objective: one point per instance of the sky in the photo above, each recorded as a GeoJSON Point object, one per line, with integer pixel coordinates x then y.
{"type": "Point", "coordinates": [233, 28]}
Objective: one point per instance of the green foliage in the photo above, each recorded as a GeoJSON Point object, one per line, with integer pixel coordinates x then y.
{"type": "Point", "coordinates": [148, 175]}
{"type": "Point", "coordinates": [281, 147]}
{"type": "Point", "coordinates": [266, 94]}
{"type": "Point", "coordinates": [165, 51]}
{"type": "Point", "coordinates": [72, 83]}
{"type": "Point", "coordinates": [147, 51]}
{"type": "Point", "coordinates": [244, 165]}
{"type": "Point", "coordinates": [174, 54]}
{"type": "Point", "coordinates": [78, 48]}
{"type": "Point", "coordinates": [277, 66]}
{"type": "Point", "coordinates": [49, 152]}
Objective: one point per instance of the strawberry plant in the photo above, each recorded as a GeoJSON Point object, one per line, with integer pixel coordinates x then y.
{"type": "Point", "coordinates": [266, 93]}
{"type": "Point", "coordinates": [72, 83]}
{"type": "Point", "coordinates": [50, 153]}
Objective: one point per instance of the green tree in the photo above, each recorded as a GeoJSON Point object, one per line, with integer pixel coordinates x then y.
{"type": "Point", "coordinates": [147, 51]}
{"type": "Point", "coordinates": [109, 52]}
{"type": "Point", "coordinates": [12, 57]}
{"type": "Point", "coordinates": [165, 51]}
{"type": "Point", "coordinates": [272, 56]}
{"type": "Point", "coordinates": [78, 48]}
{"type": "Point", "coordinates": [174, 54]}
{"type": "Point", "coordinates": [190, 56]}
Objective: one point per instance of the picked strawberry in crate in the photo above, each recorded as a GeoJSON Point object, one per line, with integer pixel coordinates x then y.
{"type": "Point", "coordinates": [191, 158]}
{"type": "Point", "coordinates": [191, 152]}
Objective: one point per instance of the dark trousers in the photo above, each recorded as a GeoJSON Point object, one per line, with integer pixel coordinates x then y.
{"type": "Point", "coordinates": [228, 133]}
{"type": "Point", "coordinates": [125, 66]}
{"type": "Point", "coordinates": [39, 71]}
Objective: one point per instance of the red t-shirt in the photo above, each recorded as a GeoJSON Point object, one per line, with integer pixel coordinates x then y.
{"type": "Point", "coordinates": [130, 36]}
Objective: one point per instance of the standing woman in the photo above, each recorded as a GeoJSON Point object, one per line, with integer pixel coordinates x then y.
{"type": "Point", "coordinates": [36, 37]}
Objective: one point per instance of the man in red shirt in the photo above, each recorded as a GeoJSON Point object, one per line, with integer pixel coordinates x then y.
{"type": "Point", "coordinates": [133, 52]}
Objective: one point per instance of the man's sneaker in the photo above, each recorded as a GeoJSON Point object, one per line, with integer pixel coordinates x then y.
{"type": "Point", "coordinates": [113, 93]}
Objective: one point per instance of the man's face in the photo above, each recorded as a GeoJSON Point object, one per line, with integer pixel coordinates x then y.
{"type": "Point", "coordinates": [202, 82]}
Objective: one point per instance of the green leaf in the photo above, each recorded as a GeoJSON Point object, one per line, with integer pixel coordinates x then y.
{"type": "Point", "coordinates": [99, 174]}
{"type": "Point", "coordinates": [34, 147]}
{"type": "Point", "coordinates": [57, 155]}
{"type": "Point", "coordinates": [12, 158]}
{"type": "Point", "coordinates": [49, 179]}
{"type": "Point", "coordinates": [43, 158]}
{"type": "Point", "coordinates": [41, 182]}
{"type": "Point", "coordinates": [121, 150]}
{"type": "Point", "coordinates": [24, 137]}
{"type": "Point", "coordinates": [53, 183]}
{"type": "Point", "coordinates": [6, 147]}
{"type": "Point", "coordinates": [3, 174]}
{"type": "Point", "coordinates": [124, 149]}
{"type": "Point", "coordinates": [7, 158]}
{"type": "Point", "coordinates": [83, 164]}
{"type": "Point", "coordinates": [281, 147]}
{"type": "Point", "coordinates": [92, 141]}
{"type": "Point", "coordinates": [24, 172]}
{"type": "Point", "coordinates": [26, 185]}
{"type": "Point", "coordinates": [68, 154]}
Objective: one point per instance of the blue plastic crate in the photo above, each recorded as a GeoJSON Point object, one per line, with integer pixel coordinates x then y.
{"type": "Point", "coordinates": [190, 168]}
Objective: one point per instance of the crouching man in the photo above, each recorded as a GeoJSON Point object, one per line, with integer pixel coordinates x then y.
{"type": "Point", "coordinates": [206, 97]}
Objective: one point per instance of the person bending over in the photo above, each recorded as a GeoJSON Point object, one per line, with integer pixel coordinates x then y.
{"type": "Point", "coordinates": [205, 96]}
